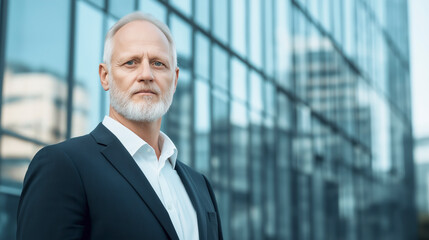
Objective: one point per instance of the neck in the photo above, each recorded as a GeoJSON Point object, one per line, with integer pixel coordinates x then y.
{"type": "Point", "coordinates": [148, 131]}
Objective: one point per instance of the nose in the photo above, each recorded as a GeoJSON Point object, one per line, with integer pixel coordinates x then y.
{"type": "Point", "coordinates": [145, 72]}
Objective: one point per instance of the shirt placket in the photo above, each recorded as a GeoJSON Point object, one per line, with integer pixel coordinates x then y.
{"type": "Point", "coordinates": [169, 199]}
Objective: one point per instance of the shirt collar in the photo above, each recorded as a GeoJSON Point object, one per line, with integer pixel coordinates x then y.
{"type": "Point", "coordinates": [133, 143]}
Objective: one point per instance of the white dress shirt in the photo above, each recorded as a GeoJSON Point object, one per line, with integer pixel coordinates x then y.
{"type": "Point", "coordinates": [161, 175]}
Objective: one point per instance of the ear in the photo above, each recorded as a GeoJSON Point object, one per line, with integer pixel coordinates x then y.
{"type": "Point", "coordinates": [103, 71]}
{"type": "Point", "coordinates": [176, 78]}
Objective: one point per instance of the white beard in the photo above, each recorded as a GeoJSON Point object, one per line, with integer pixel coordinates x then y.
{"type": "Point", "coordinates": [148, 109]}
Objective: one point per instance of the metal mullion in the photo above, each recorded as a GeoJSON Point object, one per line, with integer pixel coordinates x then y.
{"type": "Point", "coordinates": [22, 137]}
{"type": "Point", "coordinates": [70, 77]}
{"type": "Point", "coordinates": [192, 90]}
{"type": "Point", "coordinates": [3, 28]}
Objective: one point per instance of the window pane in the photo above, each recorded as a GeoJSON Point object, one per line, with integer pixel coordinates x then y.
{"type": "Point", "coordinates": [220, 67]}
{"type": "Point", "coordinates": [239, 163]}
{"type": "Point", "coordinates": [221, 21]}
{"type": "Point", "coordinates": [99, 3]}
{"type": "Point", "coordinates": [256, 91]}
{"type": "Point", "coordinates": [182, 36]}
{"type": "Point", "coordinates": [283, 43]}
{"type": "Point", "coordinates": [155, 8]}
{"type": "Point", "coordinates": [9, 206]}
{"type": "Point", "coordinates": [87, 92]}
{"type": "Point", "coordinates": [202, 56]}
{"type": "Point", "coordinates": [239, 33]}
{"type": "Point", "coordinates": [202, 126]}
{"type": "Point", "coordinates": [255, 32]}
{"type": "Point", "coordinates": [120, 8]}
{"type": "Point", "coordinates": [202, 13]}
{"type": "Point", "coordinates": [238, 78]}
{"type": "Point", "coordinates": [178, 122]}
{"type": "Point", "coordinates": [34, 82]}
{"type": "Point", "coordinates": [15, 156]}
{"type": "Point", "coordinates": [185, 6]}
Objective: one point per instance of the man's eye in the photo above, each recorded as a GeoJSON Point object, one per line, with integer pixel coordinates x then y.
{"type": "Point", "coordinates": [158, 64]}
{"type": "Point", "coordinates": [130, 63]}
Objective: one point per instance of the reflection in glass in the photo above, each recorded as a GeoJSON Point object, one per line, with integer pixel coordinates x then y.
{"type": "Point", "coordinates": [239, 29]}
{"type": "Point", "coordinates": [221, 20]}
{"type": "Point", "coordinates": [220, 67]}
{"type": "Point", "coordinates": [155, 8]}
{"type": "Point", "coordinates": [15, 157]}
{"type": "Point", "coordinates": [87, 91]}
{"type": "Point", "coordinates": [239, 162]}
{"type": "Point", "coordinates": [220, 159]}
{"type": "Point", "coordinates": [202, 126]}
{"type": "Point", "coordinates": [255, 38]}
{"type": "Point", "coordinates": [9, 206]}
{"type": "Point", "coordinates": [202, 59]}
{"type": "Point", "coordinates": [185, 6]}
{"type": "Point", "coordinates": [283, 43]}
{"type": "Point", "coordinates": [238, 79]}
{"type": "Point", "coordinates": [120, 8]}
{"type": "Point", "coordinates": [256, 91]}
{"type": "Point", "coordinates": [202, 13]}
{"type": "Point", "coordinates": [34, 81]}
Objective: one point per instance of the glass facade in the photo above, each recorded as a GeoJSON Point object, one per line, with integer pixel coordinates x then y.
{"type": "Point", "coordinates": [298, 111]}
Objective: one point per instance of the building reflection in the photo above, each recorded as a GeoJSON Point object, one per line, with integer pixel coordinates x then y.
{"type": "Point", "coordinates": [297, 111]}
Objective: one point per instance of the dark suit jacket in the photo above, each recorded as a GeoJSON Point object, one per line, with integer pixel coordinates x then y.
{"type": "Point", "coordinates": [91, 188]}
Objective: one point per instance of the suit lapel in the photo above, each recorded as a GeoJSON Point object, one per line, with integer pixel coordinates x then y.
{"type": "Point", "coordinates": [191, 189]}
{"type": "Point", "coordinates": [122, 161]}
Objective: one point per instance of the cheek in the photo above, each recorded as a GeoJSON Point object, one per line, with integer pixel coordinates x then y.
{"type": "Point", "coordinates": [123, 81]}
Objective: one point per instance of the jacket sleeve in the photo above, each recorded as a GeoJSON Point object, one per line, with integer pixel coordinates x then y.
{"type": "Point", "coordinates": [52, 203]}
{"type": "Point", "coordinates": [213, 198]}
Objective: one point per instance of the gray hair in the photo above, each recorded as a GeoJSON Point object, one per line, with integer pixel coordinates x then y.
{"type": "Point", "coordinates": [136, 16]}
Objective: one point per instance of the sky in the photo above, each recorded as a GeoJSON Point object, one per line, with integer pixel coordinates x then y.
{"type": "Point", "coordinates": [419, 65]}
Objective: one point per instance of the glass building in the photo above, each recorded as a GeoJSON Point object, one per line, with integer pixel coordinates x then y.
{"type": "Point", "coordinates": [298, 111]}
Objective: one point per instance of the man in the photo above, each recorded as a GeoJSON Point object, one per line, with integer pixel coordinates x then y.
{"type": "Point", "coordinates": [122, 181]}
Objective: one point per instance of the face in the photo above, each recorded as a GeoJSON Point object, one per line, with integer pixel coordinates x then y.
{"type": "Point", "coordinates": [142, 78]}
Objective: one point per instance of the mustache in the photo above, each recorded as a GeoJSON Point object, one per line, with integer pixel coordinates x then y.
{"type": "Point", "coordinates": [146, 88]}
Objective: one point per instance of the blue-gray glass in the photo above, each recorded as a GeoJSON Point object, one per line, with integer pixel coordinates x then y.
{"type": "Point", "coordinates": [184, 6]}
{"type": "Point", "coordinates": [256, 91]}
{"type": "Point", "coordinates": [284, 114]}
{"type": "Point", "coordinates": [202, 126]}
{"type": "Point", "coordinates": [99, 3]}
{"type": "Point", "coordinates": [269, 103]}
{"type": "Point", "coordinates": [239, 28]}
{"type": "Point", "coordinates": [349, 23]}
{"type": "Point", "coordinates": [256, 32]}
{"type": "Point", "coordinates": [155, 8]}
{"type": "Point", "coordinates": [202, 56]}
{"type": "Point", "coordinates": [202, 13]}
{"type": "Point", "coordinates": [238, 79]}
{"type": "Point", "coordinates": [179, 118]}
{"type": "Point", "coordinates": [268, 33]}
{"type": "Point", "coordinates": [87, 92]}
{"type": "Point", "coordinates": [220, 67]}
{"type": "Point", "coordinates": [272, 186]}
{"type": "Point", "coordinates": [182, 33]}
{"type": "Point", "coordinates": [284, 50]}
{"type": "Point", "coordinates": [239, 164]}
{"type": "Point", "coordinates": [9, 207]}
{"type": "Point", "coordinates": [120, 8]}
{"type": "Point", "coordinates": [220, 19]}
{"type": "Point", "coordinates": [256, 180]}
{"type": "Point", "coordinates": [35, 70]}
{"type": "Point", "coordinates": [220, 166]}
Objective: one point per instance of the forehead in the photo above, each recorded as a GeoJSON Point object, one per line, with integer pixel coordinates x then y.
{"type": "Point", "coordinates": [140, 33]}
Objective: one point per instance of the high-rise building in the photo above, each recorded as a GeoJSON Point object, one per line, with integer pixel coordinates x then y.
{"type": "Point", "coordinates": [298, 111]}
